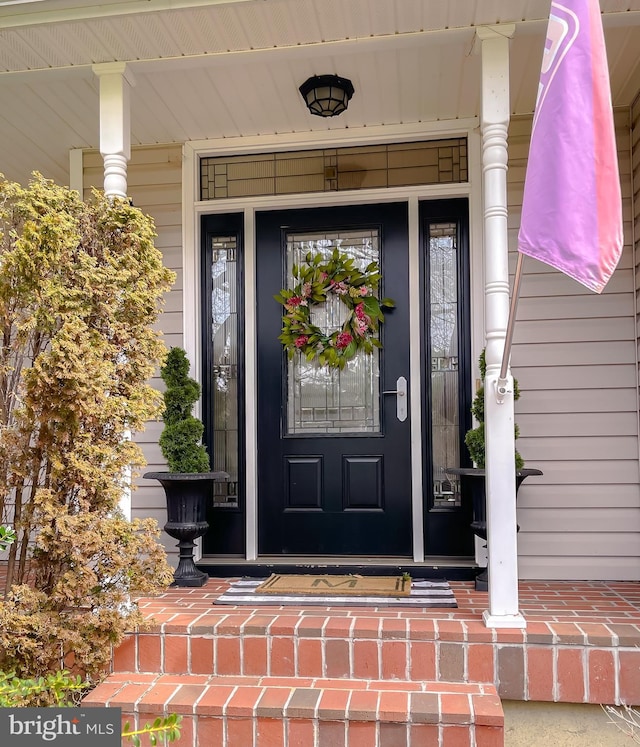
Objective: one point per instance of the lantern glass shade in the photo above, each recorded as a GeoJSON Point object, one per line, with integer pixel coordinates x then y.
{"type": "Point", "coordinates": [327, 95]}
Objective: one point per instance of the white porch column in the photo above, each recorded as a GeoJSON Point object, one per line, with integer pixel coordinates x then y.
{"type": "Point", "coordinates": [115, 126]}
{"type": "Point", "coordinates": [499, 420]}
{"type": "Point", "coordinates": [115, 149]}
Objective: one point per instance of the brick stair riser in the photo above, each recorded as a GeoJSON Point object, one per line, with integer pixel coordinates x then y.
{"type": "Point", "coordinates": [521, 671]}
{"type": "Point", "coordinates": [210, 731]}
{"type": "Point", "coordinates": [291, 656]}
{"type": "Point", "coordinates": [285, 712]}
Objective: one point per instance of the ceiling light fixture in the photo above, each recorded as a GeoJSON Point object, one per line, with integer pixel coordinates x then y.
{"type": "Point", "coordinates": [327, 95]}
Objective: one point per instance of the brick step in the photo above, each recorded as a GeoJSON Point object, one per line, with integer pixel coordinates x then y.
{"type": "Point", "coordinates": [233, 711]}
{"type": "Point", "coordinates": [284, 645]}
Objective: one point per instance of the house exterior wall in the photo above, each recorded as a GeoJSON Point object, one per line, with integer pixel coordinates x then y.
{"type": "Point", "coordinates": [155, 186]}
{"type": "Point", "coordinates": [635, 187]}
{"type": "Point", "coordinates": [575, 358]}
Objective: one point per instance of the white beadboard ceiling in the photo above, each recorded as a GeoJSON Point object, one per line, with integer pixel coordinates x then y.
{"type": "Point", "coordinates": [229, 68]}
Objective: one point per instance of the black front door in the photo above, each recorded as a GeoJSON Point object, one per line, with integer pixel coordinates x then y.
{"type": "Point", "coordinates": [334, 467]}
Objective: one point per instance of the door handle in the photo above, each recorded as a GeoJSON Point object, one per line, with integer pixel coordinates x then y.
{"type": "Point", "coordinates": [401, 398]}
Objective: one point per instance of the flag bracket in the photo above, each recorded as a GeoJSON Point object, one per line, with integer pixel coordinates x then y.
{"type": "Point", "coordinates": [502, 389]}
{"type": "Point", "coordinates": [503, 383]}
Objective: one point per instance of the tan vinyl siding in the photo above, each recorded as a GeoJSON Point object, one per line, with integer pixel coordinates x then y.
{"type": "Point", "coordinates": [155, 186]}
{"type": "Point", "coordinates": [575, 357]}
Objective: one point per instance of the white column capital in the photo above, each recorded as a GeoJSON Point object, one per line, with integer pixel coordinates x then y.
{"type": "Point", "coordinates": [115, 124]}
{"type": "Point", "coordinates": [495, 79]}
{"type": "Point", "coordinates": [114, 68]}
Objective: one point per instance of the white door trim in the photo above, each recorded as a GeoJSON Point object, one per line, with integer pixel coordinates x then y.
{"type": "Point", "coordinates": [415, 399]}
{"type": "Point", "coordinates": [193, 209]}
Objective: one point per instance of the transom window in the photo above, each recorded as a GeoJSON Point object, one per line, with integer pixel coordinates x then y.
{"type": "Point", "coordinates": [334, 169]}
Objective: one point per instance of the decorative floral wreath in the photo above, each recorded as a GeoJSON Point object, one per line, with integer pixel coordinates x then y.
{"type": "Point", "coordinates": [317, 278]}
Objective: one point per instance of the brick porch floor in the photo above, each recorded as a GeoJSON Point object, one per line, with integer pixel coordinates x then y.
{"type": "Point", "coordinates": [366, 677]}
{"type": "Point", "coordinates": [612, 602]}
{"type": "Point", "coordinates": [581, 644]}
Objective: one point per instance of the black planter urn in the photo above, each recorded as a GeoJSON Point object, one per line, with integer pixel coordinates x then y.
{"type": "Point", "coordinates": [189, 497]}
{"type": "Point", "coordinates": [473, 483]}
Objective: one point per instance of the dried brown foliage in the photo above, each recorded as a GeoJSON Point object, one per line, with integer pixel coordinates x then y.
{"type": "Point", "coordinates": [80, 289]}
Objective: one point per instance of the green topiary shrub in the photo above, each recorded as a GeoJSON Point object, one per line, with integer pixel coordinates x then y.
{"type": "Point", "coordinates": [180, 440]}
{"type": "Point", "coordinates": [475, 438]}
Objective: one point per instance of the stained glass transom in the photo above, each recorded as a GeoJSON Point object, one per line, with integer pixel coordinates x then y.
{"type": "Point", "coordinates": [334, 169]}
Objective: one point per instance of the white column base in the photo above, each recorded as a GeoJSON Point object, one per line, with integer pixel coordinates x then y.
{"type": "Point", "coordinates": [504, 621]}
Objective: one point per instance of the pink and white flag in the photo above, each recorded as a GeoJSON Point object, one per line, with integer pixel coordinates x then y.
{"type": "Point", "coordinates": [572, 208]}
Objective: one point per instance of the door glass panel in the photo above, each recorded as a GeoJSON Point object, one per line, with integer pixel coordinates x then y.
{"type": "Point", "coordinates": [443, 308]}
{"type": "Point", "coordinates": [224, 371]}
{"type": "Point", "coordinates": [323, 400]}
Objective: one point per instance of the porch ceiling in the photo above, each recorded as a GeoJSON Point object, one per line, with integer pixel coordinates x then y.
{"type": "Point", "coordinates": [209, 69]}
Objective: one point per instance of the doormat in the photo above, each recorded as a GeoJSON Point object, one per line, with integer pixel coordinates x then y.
{"type": "Point", "coordinates": [423, 594]}
{"type": "Point", "coordinates": [360, 586]}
